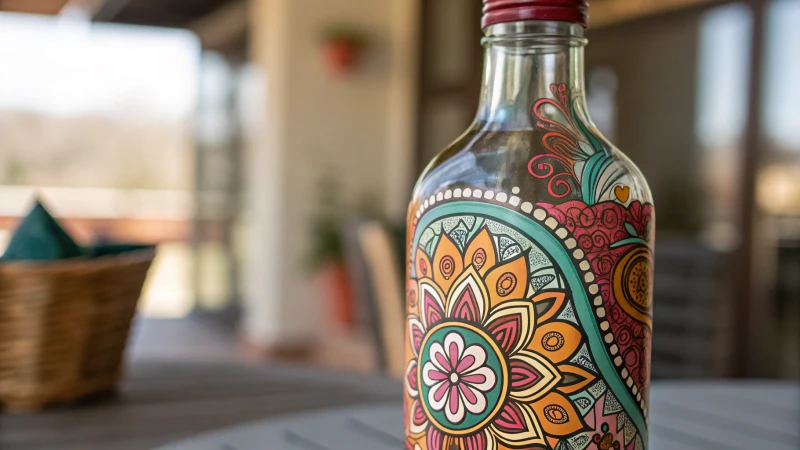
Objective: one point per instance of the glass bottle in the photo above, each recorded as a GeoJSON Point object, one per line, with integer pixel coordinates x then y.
{"type": "Point", "coordinates": [529, 261]}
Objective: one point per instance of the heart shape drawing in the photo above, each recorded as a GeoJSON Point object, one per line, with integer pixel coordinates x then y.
{"type": "Point", "coordinates": [623, 193]}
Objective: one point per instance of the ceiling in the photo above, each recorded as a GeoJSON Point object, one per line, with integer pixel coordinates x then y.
{"type": "Point", "coordinates": [603, 13]}
{"type": "Point", "coordinates": [193, 13]}
{"type": "Point", "coordinates": [164, 13]}
{"type": "Point", "coordinates": [32, 6]}
{"type": "Point", "coordinates": [220, 24]}
{"type": "Point", "coordinates": [181, 13]}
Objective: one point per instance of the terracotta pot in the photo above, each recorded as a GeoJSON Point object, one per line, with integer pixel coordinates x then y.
{"type": "Point", "coordinates": [336, 288]}
{"type": "Point", "coordinates": [341, 56]}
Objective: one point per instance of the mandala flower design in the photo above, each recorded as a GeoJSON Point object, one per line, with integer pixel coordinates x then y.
{"type": "Point", "coordinates": [458, 378]}
{"type": "Point", "coordinates": [489, 359]}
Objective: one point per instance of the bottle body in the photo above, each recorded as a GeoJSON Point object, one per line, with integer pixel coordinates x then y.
{"type": "Point", "coordinates": [529, 269]}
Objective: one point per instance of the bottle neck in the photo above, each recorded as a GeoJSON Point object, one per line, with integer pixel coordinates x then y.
{"type": "Point", "coordinates": [523, 60]}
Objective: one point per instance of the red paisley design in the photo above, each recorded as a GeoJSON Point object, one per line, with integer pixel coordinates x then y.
{"type": "Point", "coordinates": [596, 229]}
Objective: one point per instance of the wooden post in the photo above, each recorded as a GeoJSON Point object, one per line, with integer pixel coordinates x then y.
{"type": "Point", "coordinates": [748, 323]}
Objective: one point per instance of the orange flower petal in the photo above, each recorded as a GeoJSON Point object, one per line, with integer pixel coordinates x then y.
{"type": "Point", "coordinates": [556, 341]}
{"type": "Point", "coordinates": [417, 444]}
{"type": "Point", "coordinates": [481, 253]}
{"type": "Point", "coordinates": [447, 263]}
{"type": "Point", "coordinates": [412, 297]}
{"type": "Point", "coordinates": [422, 265]}
{"type": "Point", "coordinates": [480, 441]}
{"type": "Point", "coordinates": [557, 415]}
{"type": "Point", "coordinates": [508, 281]}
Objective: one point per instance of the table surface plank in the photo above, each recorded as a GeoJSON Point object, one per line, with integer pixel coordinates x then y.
{"type": "Point", "coordinates": [279, 408]}
{"type": "Point", "coordinates": [162, 402]}
{"type": "Point", "coordinates": [694, 424]}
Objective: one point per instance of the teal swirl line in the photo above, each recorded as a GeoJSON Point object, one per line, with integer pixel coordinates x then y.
{"type": "Point", "coordinates": [550, 244]}
{"type": "Point", "coordinates": [592, 172]}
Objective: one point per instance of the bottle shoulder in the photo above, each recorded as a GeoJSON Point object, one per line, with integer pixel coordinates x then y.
{"type": "Point", "coordinates": [545, 166]}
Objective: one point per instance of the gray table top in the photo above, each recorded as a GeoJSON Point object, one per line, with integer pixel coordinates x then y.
{"type": "Point", "coordinates": [209, 407]}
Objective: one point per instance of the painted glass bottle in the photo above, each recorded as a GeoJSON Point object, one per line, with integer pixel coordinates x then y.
{"type": "Point", "coordinates": [530, 260]}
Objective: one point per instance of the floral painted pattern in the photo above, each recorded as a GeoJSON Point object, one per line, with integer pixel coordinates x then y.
{"type": "Point", "coordinates": [530, 308]}
{"type": "Point", "coordinates": [491, 365]}
{"type": "Point", "coordinates": [617, 241]}
{"type": "Point", "coordinates": [458, 378]}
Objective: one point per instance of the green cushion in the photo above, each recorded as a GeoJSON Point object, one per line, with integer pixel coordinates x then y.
{"type": "Point", "coordinates": [39, 237]}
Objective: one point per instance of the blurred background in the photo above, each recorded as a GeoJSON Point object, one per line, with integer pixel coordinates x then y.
{"type": "Point", "coordinates": [269, 147]}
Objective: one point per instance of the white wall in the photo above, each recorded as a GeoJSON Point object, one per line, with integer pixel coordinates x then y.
{"type": "Point", "coordinates": [359, 128]}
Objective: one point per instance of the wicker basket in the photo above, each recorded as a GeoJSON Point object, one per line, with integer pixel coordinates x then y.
{"type": "Point", "coordinates": [64, 326]}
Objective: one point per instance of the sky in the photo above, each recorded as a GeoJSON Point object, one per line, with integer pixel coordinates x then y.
{"type": "Point", "coordinates": [67, 66]}
{"type": "Point", "coordinates": [724, 58]}
{"type": "Point", "coordinates": [782, 97]}
{"type": "Point", "coordinates": [724, 53]}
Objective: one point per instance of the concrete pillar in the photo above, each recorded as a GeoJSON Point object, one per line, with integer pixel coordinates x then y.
{"type": "Point", "coordinates": [309, 124]}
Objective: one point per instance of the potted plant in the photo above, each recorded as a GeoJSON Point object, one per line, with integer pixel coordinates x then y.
{"type": "Point", "coordinates": [342, 47]}
{"type": "Point", "coordinates": [326, 256]}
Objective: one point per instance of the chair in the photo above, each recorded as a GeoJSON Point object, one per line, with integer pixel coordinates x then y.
{"type": "Point", "coordinates": [691, 319]}
{"type": "Point", "coordinates": [376, 269]}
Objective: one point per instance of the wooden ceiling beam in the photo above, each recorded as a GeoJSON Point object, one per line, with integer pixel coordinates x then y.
{"type": "Point", "coordinates": [164, 13]}
{"type": "Point", "coordinates": [223, 28]}
{"type": "Point", "coordinates": [603, 13]}
{"type": "Point", "coordinates": [108, 10]}
{"type": "Point", "coordinates": [33, 7]}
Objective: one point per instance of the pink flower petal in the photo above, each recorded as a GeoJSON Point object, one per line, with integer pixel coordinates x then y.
{"type": "Point", "coordinates": [476, 442]}
{"type": "Point", "coordinates": [478, 358]}
{"type": "Point", "coordinates": [467, 392]}
{"type": "Point", "coordinates": [507, 331]}
{"type": "Point", "coordinates": [412, 383]}
{"type": "Point", "coordinates": [436, 375]}
{"type": "Point", "coordinates": [482, 379]}
{"type": "Point", "coordinates": [453, 400]}
{"type": "Point", "coordinates": [440, 392]}
{"type": "Point", "coordinates": [432, 310]}
{"type": "Point", "coordinates": [473, 399]}
{"type": "Point", "coordinates": [453, 354]}
{"type": "Point", "coordinates": [466, 306]}
{"type": "Point", "coordinates": [415, 334]}
{"type": "Point", "coordinates": [435, 438]}
{"type": "Point", "coordinates": [511, 420]}
{"type": "Point", "coordinates": [475, 378]}
{"type": "Point", "coordinates": [523, 375]}
{"type": "Point", "coordinates": [418, 414]}
{"type": "Point", "coordinates": [465, 363]}
{"type": "Point", "coordinates": [443, 362]}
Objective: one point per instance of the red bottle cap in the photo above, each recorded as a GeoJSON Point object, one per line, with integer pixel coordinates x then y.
{"type": "Point", "coordinates": [500, 11]}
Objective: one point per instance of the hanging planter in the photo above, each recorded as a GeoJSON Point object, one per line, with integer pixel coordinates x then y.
{"type": "Point", "coordinates": [342, 48]}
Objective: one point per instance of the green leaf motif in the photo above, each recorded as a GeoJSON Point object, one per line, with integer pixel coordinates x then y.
{"type": "Point", "coordinates": [631, 230]}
